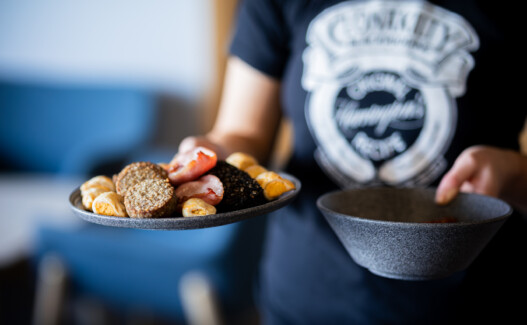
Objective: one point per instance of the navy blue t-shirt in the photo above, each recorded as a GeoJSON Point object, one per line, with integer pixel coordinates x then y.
{"type": "Point", "coordinates": [383, 93]}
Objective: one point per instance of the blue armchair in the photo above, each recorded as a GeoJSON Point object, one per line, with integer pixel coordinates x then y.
{"type": "Point", "coordinates": [130, 269]}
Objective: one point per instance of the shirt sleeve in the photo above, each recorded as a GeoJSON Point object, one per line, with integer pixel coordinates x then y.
{"type": "Point", "coordinates": [260, 36]}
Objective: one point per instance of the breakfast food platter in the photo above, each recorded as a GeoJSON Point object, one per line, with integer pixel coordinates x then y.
{"type": "Point", "coordinates": [182, 223]}
{"type": "Point", "coordinates": [195, 190]}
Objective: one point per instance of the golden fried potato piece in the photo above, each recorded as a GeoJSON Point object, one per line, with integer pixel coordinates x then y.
{"type": "Point", "coordinates": [255, 170]}
{"type": "Point", "coordinates": [101, 181]}
{"type": "Point", "coordinates": [273, 184]}
{"type": "Point", "coordinates": [197, 207]}
{"type": "Point", "coordinates": [90, 194]}
{"type": "Point", "coordinates": [109, 204]}
{"type": "Point", "coordinates": [274, 189]}
{"type": "Point", "coordinates": [241, 160]}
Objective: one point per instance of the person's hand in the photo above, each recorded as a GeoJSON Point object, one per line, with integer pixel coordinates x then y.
{"type": "Point", "coordinates": [192, 142]}
{"type": "Point", "coordinates": [195, 156]}
{"type": "Point", "coordinates": [480, 169]}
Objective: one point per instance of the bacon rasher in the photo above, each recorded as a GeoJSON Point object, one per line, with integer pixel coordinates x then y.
{"type": "Point", "coordinates": [189, 166]}
{"type": "Point", "coordinates": [209, 188]}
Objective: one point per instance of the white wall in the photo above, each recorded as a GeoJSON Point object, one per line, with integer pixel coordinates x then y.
{"type": "Point", "coordinates": [161, 44]}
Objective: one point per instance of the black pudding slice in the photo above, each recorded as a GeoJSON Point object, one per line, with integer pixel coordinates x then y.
{"type": "Point", "coordinates": [240, 191]}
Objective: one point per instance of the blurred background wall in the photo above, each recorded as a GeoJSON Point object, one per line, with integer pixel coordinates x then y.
{"type": "Point", "coordinates": [165, 47]}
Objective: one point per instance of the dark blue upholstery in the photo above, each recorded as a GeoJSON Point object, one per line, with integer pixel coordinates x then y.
{"type": "Point", "coordinates": [70, 130]}
{"type": "Point", "coordinates": [128, 268]}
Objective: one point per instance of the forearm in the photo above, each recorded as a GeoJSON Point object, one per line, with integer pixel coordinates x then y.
{"type": "Point", "coordinates": [249, 113]}
{"type": "Point", "coordinates": [228, 143]}
{"type": "Point", "coordinates": [248, 117]}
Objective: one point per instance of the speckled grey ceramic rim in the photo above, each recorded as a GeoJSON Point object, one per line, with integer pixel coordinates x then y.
{"type": "Point", "coordinates": [418, 224]}
{"type": "Point", "coordinates": [181, 223]}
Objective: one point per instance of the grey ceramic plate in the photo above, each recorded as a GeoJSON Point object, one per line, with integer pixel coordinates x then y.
{"type": "Point", "coordinates": [180, 223]}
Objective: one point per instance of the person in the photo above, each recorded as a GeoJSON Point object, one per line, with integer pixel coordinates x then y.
{"type": "Point", "coordinates": [379, 93]}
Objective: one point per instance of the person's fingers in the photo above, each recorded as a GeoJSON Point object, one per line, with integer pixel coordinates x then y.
{"type": "Point", "coordinates": [190, 143]}
{"type": "Point", "coordinates": [187, 144]}
{"type": "Point", "coordinates": [486, 182]}
{"type": "Point", "coordinates": [467, 187]}
{"type": "Point", "coordinates": [462, 171]}
{"type": "Point", "coordinates": [479, 169]}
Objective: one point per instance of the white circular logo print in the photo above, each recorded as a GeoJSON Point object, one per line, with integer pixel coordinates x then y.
{"type": "Point", "coordinates": [380, 115]}
{"type": "Point", "coordinates": [381, 78]}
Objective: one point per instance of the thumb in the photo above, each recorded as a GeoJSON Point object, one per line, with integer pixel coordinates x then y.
{"type": "Point", "coordinates": [190, 143]}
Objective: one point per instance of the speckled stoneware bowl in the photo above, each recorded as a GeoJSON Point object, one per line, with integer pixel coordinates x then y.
{"type": "Point", "coordinates": [397, 233]}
